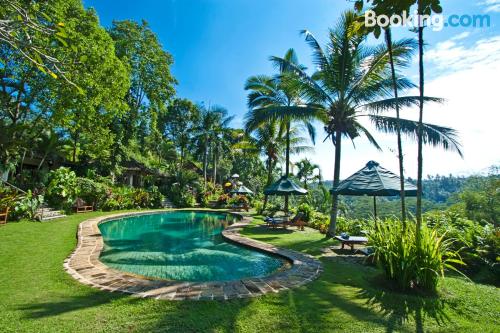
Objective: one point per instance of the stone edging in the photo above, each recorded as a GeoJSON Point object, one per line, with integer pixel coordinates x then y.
{"type": "Point", "coordinates": [84, 265]}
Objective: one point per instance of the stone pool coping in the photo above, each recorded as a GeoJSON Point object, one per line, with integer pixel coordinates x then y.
{"type": "Point", "coordinates": [84, 265]}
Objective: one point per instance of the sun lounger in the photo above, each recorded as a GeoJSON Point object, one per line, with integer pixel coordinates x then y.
{"type": "Point", "coordinates": [352, 240]}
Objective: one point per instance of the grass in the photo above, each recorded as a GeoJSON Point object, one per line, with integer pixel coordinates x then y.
{"type": "Point", "coordinates": [36, 295]}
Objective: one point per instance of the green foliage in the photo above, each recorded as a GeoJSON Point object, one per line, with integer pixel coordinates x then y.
{"type": "Point", "coordinates": [26, 206]}
{"type": "Point", "coordinates": [62, 188]}
{"type": "Point", "coordinates": [306, 210]}
{"type": "Point", "coordinates": [481, 199]}
{"type": "Point", "coordinates": [132, 198]}
{"type": "Point", "coordinates": [91, 192]}
{"type": "Point", "coordinates": [410, 264]}
{"type": "Point", "coordinates": [478, 243]}
{"type": "Point", "coordinates": [8, 198]}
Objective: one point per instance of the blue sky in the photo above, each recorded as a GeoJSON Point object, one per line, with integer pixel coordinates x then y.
{"type": "Point", "coordinates": [218, 44]}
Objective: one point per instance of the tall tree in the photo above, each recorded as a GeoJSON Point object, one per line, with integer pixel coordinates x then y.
{"type": "Point", "coordinates": [278, 98]}
{"type": "Point", "coordinates": [424, 7]}
{"type": "Point", "coordinates": [152, 84]}
{"type": "Point", "coordinates": [33, 100]}
{"type": "Point", "coordinates": [351, 78]}
{"type": "Point", "coordinates": [306, 171]}
{"type": "Point", "coordinates": [178, 123]}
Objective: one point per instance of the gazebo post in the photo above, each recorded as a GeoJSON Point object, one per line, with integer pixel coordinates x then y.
{"type": "Point", "coordinates": [375, 208]}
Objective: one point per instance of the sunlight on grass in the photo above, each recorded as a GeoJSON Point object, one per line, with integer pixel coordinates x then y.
{"type": "Point", "coordinates": [37, 295]}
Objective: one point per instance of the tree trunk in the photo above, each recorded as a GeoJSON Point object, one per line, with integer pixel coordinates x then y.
{"type": "Point", "coordinates": [336, 180]}
{"type": "Point", "coordinates": [287, 158]}
{"type": "Point", "coordinates": [388, 36]}
{"type": "Point", "coordinates": [420, 131]}
{"type": "Point", "coordinates": [215, 166]}
{"type": "Point", "coordinates": [205, 160]}
{"type": "Point", "coordinates": [75, 143]}
{"type": "Point", "coordinates": [269, 179]}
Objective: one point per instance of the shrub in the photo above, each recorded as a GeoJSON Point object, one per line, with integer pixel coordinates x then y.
{"type": "Point", "coordinates": [320, 222]}
{"type": "Point", "coordinates": [61, 190]}
{"type": "Point", "coordinates": [478, 243]}
{"type": "Point", "coordinates": [306, 210]}
{"type": "Point", "coordinates": [352, 226]}
{"type": "Point", "coordinates": [259, 206]}
{"type": "Point", "coordinates": [26, 206]}
{"type": "Point", "coordinates": [223, 200]}
{"type": "Point", "coordinates": [92, 192]}
{"type": "Point", "coordinates": [406, 263]}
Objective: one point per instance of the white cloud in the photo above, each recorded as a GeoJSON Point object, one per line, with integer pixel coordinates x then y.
{"type": "Point", "coordinates": [491, 6]}
{"type": "Point", "coordinates": [468, 78]}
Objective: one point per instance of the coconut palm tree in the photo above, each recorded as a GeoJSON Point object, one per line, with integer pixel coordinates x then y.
{"type": "Point", "coordinates": [352, 78]}
{"type": "Point", "coordinates": [277, 98]}
{"type": "Point", "coordinates": [306, 171]}
{"type": "Point", "coordinates": [210, 135]}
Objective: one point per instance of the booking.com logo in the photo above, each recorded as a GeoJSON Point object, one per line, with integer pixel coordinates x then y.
{"type": "Point", "coordinates": [436, 21]}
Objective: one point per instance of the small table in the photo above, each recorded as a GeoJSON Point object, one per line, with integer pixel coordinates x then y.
{"type": "Point", "coordinates": [352, 240]}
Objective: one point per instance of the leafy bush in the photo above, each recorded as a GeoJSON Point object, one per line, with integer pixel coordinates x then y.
{"type": "Point", "coordinates": [182, 196]}
{"type": "Point", "coordinates": [320, 222]}
{"type": "Point", "coordinates": [223, 199]}
{"type": "Point", "coordinates": [91, 192]}
{"type": "Point", "coordinates": [406, 263]}
{"type": "Point", "coordinates": [130, 198]}
{"type": "Point", "coordinates": [306, 210]}
{"type": "Point", "coordinates": [26, 206]}
{"type": "Point", "coordinates": [478, 243]}
{"type": "Point", "coordinates": [353, 227]}
{"type": "Point", "coordinates": [238, 200]}
{"type": "Point", "coordinates": [259, 206]}
{"type": "Point", "coordinates": [61, 190]}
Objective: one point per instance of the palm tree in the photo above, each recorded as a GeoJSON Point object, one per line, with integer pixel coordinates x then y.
{"type": "Point", "coordinates": [352, 78]}
{"type": "Point", "coordinates": [306, 171]}
{"type": "Point", "coordinates": [210, 136]}
{"type": "Point", "coordinates": [277, 98]}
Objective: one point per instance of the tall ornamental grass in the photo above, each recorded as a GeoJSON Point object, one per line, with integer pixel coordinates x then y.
{"type": "Point", "coordinates": [408, 264]}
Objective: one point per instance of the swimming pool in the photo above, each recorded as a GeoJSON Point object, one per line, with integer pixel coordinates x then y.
{"type": "Point", "coordinates": [181, 245]}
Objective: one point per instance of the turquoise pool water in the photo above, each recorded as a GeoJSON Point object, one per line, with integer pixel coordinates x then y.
{"type": "Point", "coordinates": [182, 245]}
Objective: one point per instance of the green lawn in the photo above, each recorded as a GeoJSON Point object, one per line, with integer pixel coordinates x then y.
{"type": "Point", "coordinates": [36, 295]}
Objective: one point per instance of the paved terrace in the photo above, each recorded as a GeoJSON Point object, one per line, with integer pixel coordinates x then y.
{"type": "Point", "coordinates": [84, 265]}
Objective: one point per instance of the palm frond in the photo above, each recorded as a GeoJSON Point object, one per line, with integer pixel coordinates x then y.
{"type": "Point", "coordinates": [404, 101]}
{"type": "Point", "coordinates": [433, 135]}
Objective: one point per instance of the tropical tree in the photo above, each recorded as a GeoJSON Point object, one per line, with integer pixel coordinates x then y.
{"type": "Point", "coordinates": [211, 137]}
{"type": "Point", "coordinates": [269, 140]}
{"type": "Point", "coordinates": [177, 123]}
{"type": "Point", "coordinates": [306, 171]}
{"type": "Point", "coordinates": [389, 43]}
{"type": "Point", "coordinates": [277, 98]}
{"type": "Point", "coordinates": [352, 78]}
{"type": "Point", "coordinates": [28, 28]}
{"type": "Point", "coordinates": [424, 7]}
{"type": "Point", "coordinates": [151, 82]}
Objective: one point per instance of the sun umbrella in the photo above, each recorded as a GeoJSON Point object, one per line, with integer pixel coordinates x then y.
{"type": "Point", "coordinates": [284, 186]}
{"type": "Point", "coordinates": [242, 190]}
{"type": "Point", "coordinates": [373, 180]}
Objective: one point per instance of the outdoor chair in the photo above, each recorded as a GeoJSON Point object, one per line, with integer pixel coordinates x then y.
{"type": "Point", "coordinates": [3, 216]}
{"type": "Point", "coordinates": [82, 207]}
{"type": "Point", "coordinates": [298, 221]}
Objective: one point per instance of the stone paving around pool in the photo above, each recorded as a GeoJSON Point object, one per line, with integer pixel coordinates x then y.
{"type": "Point", "coordinates": [84, 265]}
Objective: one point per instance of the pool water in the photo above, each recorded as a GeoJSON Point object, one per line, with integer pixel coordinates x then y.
{"type": "Point", "coordinates": [182, 245]}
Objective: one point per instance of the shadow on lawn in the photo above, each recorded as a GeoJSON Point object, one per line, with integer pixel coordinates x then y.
{"type": "Point", "coordinates": [400, 307]}
{"type": "Point", "coordinates": [69, 304]}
